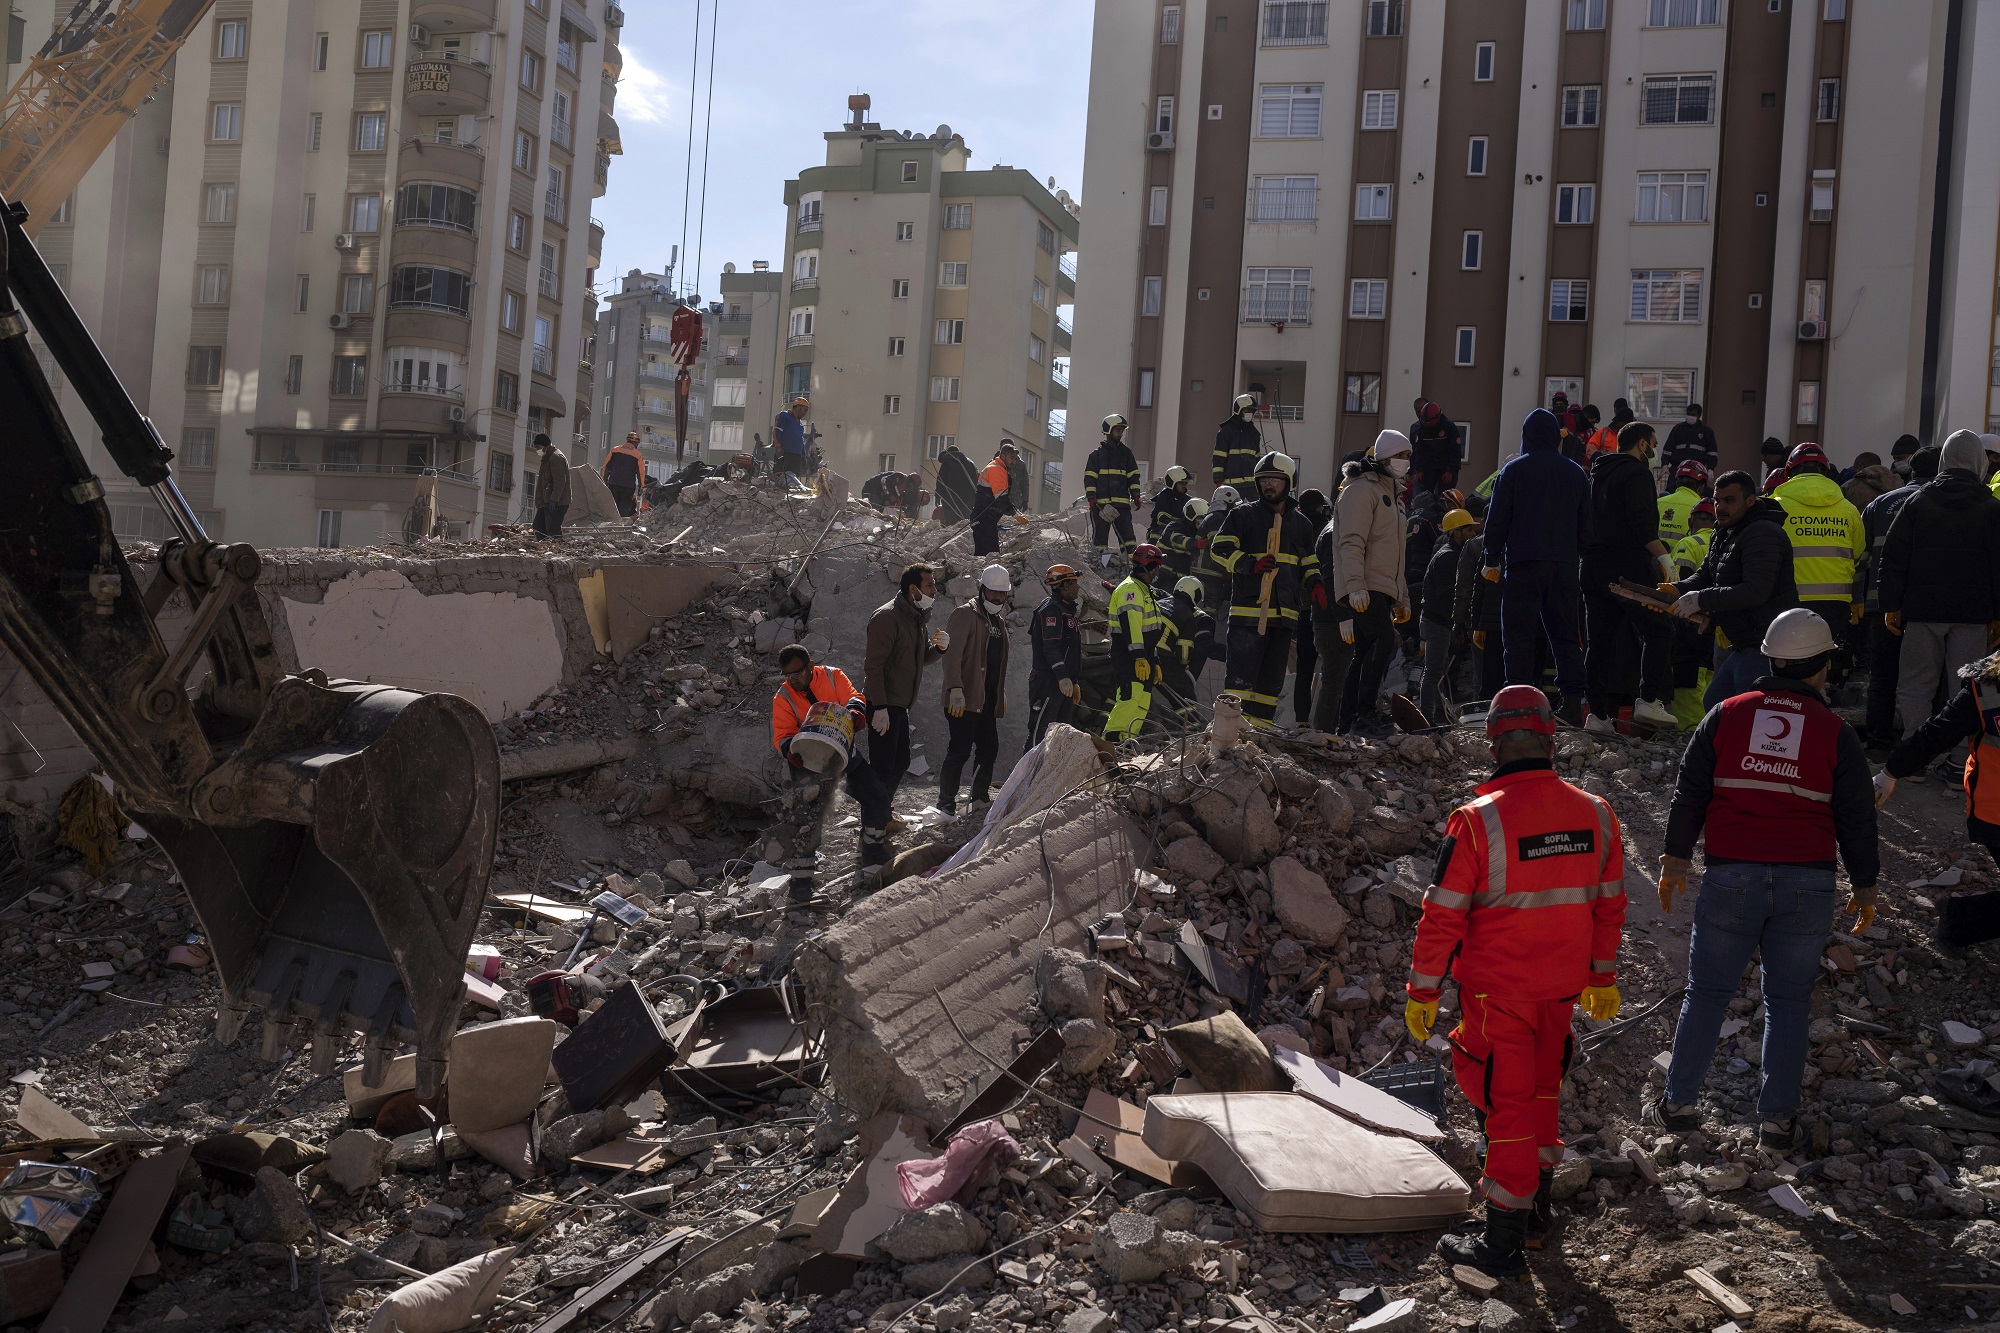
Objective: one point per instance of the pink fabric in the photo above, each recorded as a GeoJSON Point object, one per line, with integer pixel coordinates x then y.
{"type": "Point", "coordinates": [968, 1159]}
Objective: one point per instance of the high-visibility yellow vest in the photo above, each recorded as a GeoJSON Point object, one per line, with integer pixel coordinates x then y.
{"type": "Point", "coordinates": [1691, 550]}
{"type": "Point", "coordinates": [1827, 537]}
{"type": "Point", "coordinates": [1675, 506]}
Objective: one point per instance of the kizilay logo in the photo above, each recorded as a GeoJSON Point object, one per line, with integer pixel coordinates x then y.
{"type": "Point", "coordinates": [1562, 843]}
{"type": "Point", "coordinates": [1776, 735]}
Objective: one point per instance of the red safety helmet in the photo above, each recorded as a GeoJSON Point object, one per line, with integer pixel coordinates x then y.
{"type": "Point", "coordinates": [1806, 453]}
{"type": "Point", "coordinates": [1148, 556]}
{"type": "Point", "coordinates": [1706, 509]}
{"type": "Point", "coordinates": [1520, 708]}
{"type": "Point", "coordinates": [1692, 471]}
{"type": "Point", "coordinates": [1432, 411]}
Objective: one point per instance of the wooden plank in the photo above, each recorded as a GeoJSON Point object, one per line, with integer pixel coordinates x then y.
{"type": "Point", "coordinates": [93, 1290]}
{"type": "Point", "coordinates": [618, 1277]}
{"type": "Point", "coordinates": [1732, 1305]}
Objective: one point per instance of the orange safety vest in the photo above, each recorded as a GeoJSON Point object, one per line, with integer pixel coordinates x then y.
{"type": "Point", "coordinates": [994, 478]}
{"type": "Point", "coordinates": [1603, 440]}
{"type": "Point", "coordinates": [1530, 903]}
{"type": "Point", "coordinates": [789, 707]}
{"type": "Point", "coordinates": [1983, 803]}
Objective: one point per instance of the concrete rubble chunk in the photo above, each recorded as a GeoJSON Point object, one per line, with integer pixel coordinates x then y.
{"type": "Point", "coordinates": [358, 1158]}
{"type": "Point", "coordinates": [1335, 810]}
{"type": "Point", "coordinates": [1237, 816]}
{"type": "Point", "coordinates": [1304, 904]}
{"type": "Point", "coordinates": [1133, 1248]}
{"type": "Point", "coordinates": [940, 1230]}
{"type": "Point", "coordinates": [715, 1293]}
{"type": "Point", "coordinates": [1572, 1176]}
{"type": "Point", "coordinates": [1225, 1055]}
{"type": "Point", "coordinates": [1390, 832]}
{"type": "Point", "coordinates": [1088, 1319]}
{"type": "Point", "coordinates": [1087, 1044]}
{"type": "Point", "coordinates": [1859, 1091]}
{"type": "Point", "coordinates": [1498, 1317]}
{"type": "Point", "coordinates": [275, 1211]}
{"type": "Point", "coordinates": [1070, 985]}
{"type": "Point", "coordinates": [1193, 857]}
{"type": "Point", "coordinates": [565, 1138]}
{"type": "Point", "coordinates": [960, 1271]}
{"type": "Point", "coordinates": [1398, 1316]}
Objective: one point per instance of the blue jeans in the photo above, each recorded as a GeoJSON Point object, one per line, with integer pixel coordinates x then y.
{"type": "Point", "coordinates": [1784, 911]}
{"type": "Point", "coordinates": [1736, 672]}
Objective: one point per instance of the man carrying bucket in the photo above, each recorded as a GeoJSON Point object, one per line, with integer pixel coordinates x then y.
{"type": "Point", "coordinates": [814, 716]}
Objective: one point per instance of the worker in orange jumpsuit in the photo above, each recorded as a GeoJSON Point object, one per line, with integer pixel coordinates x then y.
{"type": "Point", "coordinates": [994, 499]}
{"type": "Point", "coordinates": [807, 683]}
{"type": "Point", "coordinates": [1526, 911]}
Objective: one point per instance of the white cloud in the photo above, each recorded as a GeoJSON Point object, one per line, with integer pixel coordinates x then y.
{"type": "Point", "coordinates": [642, 94]}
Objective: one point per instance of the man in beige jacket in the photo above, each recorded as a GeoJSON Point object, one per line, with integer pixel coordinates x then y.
{"type": "Point", "coordinates": [1371, 593]}
{"type": "Point", "coordinates": [975, 687]}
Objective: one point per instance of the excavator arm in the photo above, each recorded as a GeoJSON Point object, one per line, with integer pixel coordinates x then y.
{"type": "Point", "coordinates": [335, 837]}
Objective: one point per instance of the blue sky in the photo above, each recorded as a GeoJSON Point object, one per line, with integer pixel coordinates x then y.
{"type": "Point", "coordinates": [1011, 78]}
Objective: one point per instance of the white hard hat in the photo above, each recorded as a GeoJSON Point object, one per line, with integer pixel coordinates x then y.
{"type": "Point", "coordinates": [1189, 587]}
{"type": "Point", "coordinates": [1225, 495]}
{"type": "Point", "coordinates": [1797, 635]}
{"type": "Point", "coordinates": [995, 577]}
{"type": "Point", "coordinates": [1196, 507]}
{"type": "Point", "coordinates": [1244, 402]}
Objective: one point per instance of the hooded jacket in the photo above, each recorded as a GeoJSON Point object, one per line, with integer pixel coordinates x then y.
{"type": "Point", "coordinates": [1941, 560]}
{"type": "Point", "coordinates": [1369, 543]}
{"type": "Point", "coordinates": [1875, 521]}
{"type": "Point", "coordinates": [1238, 446]}
{"type": "Point", "coordinates": [1869, 484]}
{"type": "Point", "coordinates": [1539, 500]}
{"type": "Point", "coordinates": [1624, 516]}
{"type": "Point", "coordinates": [1747, 579]}
{"type": "Point", "coordinates": [1827, 541]}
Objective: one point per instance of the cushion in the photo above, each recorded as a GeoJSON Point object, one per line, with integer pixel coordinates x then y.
{"type": "Point", "coordinates": [1293, 1165]}
{"type": "Point", "coordinates": [447, 1300]}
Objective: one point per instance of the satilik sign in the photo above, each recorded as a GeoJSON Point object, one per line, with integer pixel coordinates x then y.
{"type": "Point", "coordinates": [428, 76]}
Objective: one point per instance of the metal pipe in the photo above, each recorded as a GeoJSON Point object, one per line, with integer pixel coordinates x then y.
{"type": "Point", "coordinates": [179, 512]}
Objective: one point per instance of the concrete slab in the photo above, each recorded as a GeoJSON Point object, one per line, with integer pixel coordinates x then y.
{"type": "Point", "coordinates": [971, 935]}
{"type": "Point", "coordinates": [636, 597]}
{"type": "Point", "coordinates": [870, 1202]}
{"type": "Point", "coordinates": [497, 1070]}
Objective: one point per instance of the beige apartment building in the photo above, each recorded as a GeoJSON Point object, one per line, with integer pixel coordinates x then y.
{"type": "Point", "coordinates": [345, 255]}
{"type": "Point", "coordinates": [635, 373]}
{"type": "Point", "coordinates": [746, 338]}
{"type": "Point", "coordinates": [923, 305]}
{"type": "Point", "coordinates": [1780, 209]}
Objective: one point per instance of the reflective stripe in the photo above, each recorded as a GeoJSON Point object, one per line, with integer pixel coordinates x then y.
{"type": "Point", "coordinates": [1603, 842]}
{"type": "Point", "coordinates": [1493, 1190]}
{"type": "Point", "coordinates": [1823, 553]}
{"type": "Point", "coordinates": [1573, 895]}
{"type": "Point", "coordinates": [1611, 888]}
{"type": "Point", "coordinates": [1604, 964]}
{"type": "Point", "coordinates": [1754, 784]}
{"type": "Point", "coordinates": [1448, 898]}
{"type": "Point", "coordinates": [1496, 845]}
{"type": "Point", "coordinates": [1550, 1152]}
{"type": "Point", "coordinates": [1252, 612]}
{"type": "Point", "coordinates": [1422, 982]}
{"type": "Point", "coordinates": [1251, 696]}
{"type": "Point", "coordinates": [1824, 591]}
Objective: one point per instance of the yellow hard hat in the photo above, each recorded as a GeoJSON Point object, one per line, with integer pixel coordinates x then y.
{"type": "Point", "coordinates": [1457, 518]}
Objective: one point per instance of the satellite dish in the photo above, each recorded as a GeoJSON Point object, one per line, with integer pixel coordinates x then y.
{"type": "Point", "coordinates": [944, 131]}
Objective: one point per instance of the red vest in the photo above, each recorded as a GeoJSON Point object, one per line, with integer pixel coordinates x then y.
{"type": "Point", "coordinates": [1982, 801]}
{"type": "Point", "coordinates": [1774, 757]}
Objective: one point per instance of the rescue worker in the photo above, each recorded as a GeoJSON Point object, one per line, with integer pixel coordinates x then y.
{"type": "Point", "coordinates": [974, 681]}
{"type": "Point", "coordinates": [884, 490]}
{"type": "Point", "coordinates": [1169, 502]}
{"type": "Point", "coordinates": [1177, 535]}
{"type": "Point", "coordinates": [1690, 486]}
{"type": "Point", "coordinates": [1055, 648]}
{"type": "Point", "coordinates": [1317, 511]}
{"type": "Point", "coordinates": [993, 500]}
{"type": "Point", "coordinates": [1238, 445]}
{"type": "Point", "coordinates": [1266, 547]}
{"type": "Point", "coordinates": [1369, 577]}
{"type": "Point", "coordinates": [1692, 549]}
{"type": "Point", "coordinates": [551, 488]}
{"type": "Point", "coordinates": [1136, 634]}
{"type": "Point", "coordinates": [901, 644]}
{"type": "Point", "coordinates": [1192, 643]}
{"type": "Point", "coordinates": [1693, 648]}
{"type": "Point", "coordinates": [957, 481]}
{"type": "Point", "coordinates": [1111, 485]}
{"type": "Point", "coordinates": [1214, 578]}
{"type": "Point", "coordinates": [1439, 587]}
{"type": "Point", "coordinates": [1775, 783]}
{"type": "Point", "coordinates": [1828, 540]}
{"type": "Point", "coordinates": [1434, 449]}
{"type": "Point", "coordinates": [1525, 911]}
{"type": "Point", "coordinates": [806, 684]}
{"type": "Point", "coordinates": [623, 469]}
{"type": "Point", "coordinates": [788, 433]}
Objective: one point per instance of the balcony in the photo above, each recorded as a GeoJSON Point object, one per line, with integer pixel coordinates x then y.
{"type": "Point", "coordinates": [614, 62]}
{"type": "Point", "coordinates": [1067, 266]}
{"type": "Point", "coordinates": [1294, 23]}
{"type": "Point", "coordinates": [1284, 203]}
{"type": "Point", "coordinates": [657, 370]}
{"type": "Point", "coordinates": [1059, 375]}
{"type": "Point", "coordinates": [566, 56]}
{"type": "Point", "coordinates": [446, 246]}
{"type": "Point", "coordinates": [614, 16]}
{"type": "Point", "coordinates": [454, 15]}
{"type": "Point", "coordinates": [811, 223]}
{"type": "Point", "coordinates": [454, 163]}
{"type": "Point", "coordinates": [427, 326]}
{"type": "Point", "coordinates": [799, 340]}
{"type": "Point", "coordinates": [549, 285]}
{"type": "Point", "coordinates": [555, 207]}
{"type": "Point", "coordinates": [1282, 412]}
{"type": "Point", "coordinates": [1277, 306]}
{"type": "Point", "coordinates": [562, 135]}
{"type": "Point", "coordinates": [594, 250]}
{"type": "Point", "coordinates": [418, 407]}
{"type": "Point", "coordinates": [805, 284]}
{"type": "Point", "coordinates": [446, 87]}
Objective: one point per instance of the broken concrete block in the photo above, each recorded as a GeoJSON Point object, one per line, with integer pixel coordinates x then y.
{"type": "Point", "coordinates": [1391, 832]}
{"type": "Point", "coordinates": [777, 1262]}
{"type": "Point", "coordinates": [1224, 1054]}
{"type": "Point", "coordinates": [1237, 817]}
{"type": "Point", "coordinates": [1133, 1248]}
{"type": "Point", "coordinates": [1962, 1034]}
{"type": "Point", "coordinates": [275, 1211]}
{"type": "Point", "coordinates": [1498, 1317]}
{"type": "Point", "coordinates": [1087, 1043]}
{"type": "Point", "coordinates": [1304, 904]}
{"type": "Point", "coordinates": [715, 1293]}
{"type": "Point", "coordinates": [1071, 986]}
{"type": "Point", "coordinates": [741, 1248]}
{"type": "Point", "coordinates": [926, 1278]}
{"type": "Point", "coordinates": [497, 1071]}
{"type": "Point", "coordinates": [960, 933]}
{"type": "Point", "coordinates": [565, 1138]}
{"type": "Point", "coordinates": [1195, 859]}
{"type": "Point", "coordinates": [1395, 1317]}
{"type": "Point", "coordinates": [1336, 812]}
{"type": "Point", "coordinates": [358, 1158]}
{"type": "Point", "coordinates": [1087, 1319]}
{"type": "Point", "coordinates": [940, 1230]}
{"type": "Point", "coordinates": [1572, 1176]}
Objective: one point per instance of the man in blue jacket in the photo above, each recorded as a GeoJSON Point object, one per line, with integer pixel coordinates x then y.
{"type": "Point", "coordinates": [1534, 535]}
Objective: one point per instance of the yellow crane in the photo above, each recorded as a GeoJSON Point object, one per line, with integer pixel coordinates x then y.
{"type": "Point", "coordinates": [92, 76]}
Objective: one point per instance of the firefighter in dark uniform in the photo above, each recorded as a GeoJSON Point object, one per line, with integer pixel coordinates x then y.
{"type": "Point", "coordinates": [1177, 536]}
{"type": "Point", "coordinates": [1266, 546]}
{"type": "Point", "coordinates": [1111, 484]}
{"type": "Point", "coordinates": [1238, 445]}
{"type": "Point", "coordinates": [1055, 670]}
{"type": "Point", "coordinates": [1169, 502]}
{"type": "Point", "coordinates": [1193, 644]}
{"type": "Point", "coordinates": [1214, 578]}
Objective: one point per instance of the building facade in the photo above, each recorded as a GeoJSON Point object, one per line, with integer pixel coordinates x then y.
{"type": "Point", "coordinates": [1769, 207]}
{"type": "Point", "coordinates": [923, 305]}
{"type": "Point", "coordinates": [635, 374]}
{"type": "Point", "coordinates": [746, 339]}
{"type": "Point", "coordinates": [345, 257]}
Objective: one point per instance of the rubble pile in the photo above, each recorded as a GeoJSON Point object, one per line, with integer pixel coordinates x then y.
{"type": "Point", "coordinates": [1124, 1051]}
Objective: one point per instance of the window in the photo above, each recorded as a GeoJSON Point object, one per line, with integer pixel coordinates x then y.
{"type": "Point", "coordinates": [1576, 205]}
{"type": "Point", "coordinates": [1822, 198]}
{"type": "Point", "coordinates": [1040, 294]}
{"type": "Point", "coordinates": [219, 203]}
{"type": "Point", "coordinates": [1038, 348]}
{"type": "Point", "coordinates": [951, 274]}
{"type": "Point", "coordinates": [1364, 393]}
{"type": "Point", "coordinates": [1295, 22]}
{"type": "Point", "coordinates": [1586, 15]}
{"type": "Point", "coordinates": [1569, 301]}
{"type": "Point", "coordinates": [225, 124]}
{"type": "Point", "coordinates": [1385, 18]}
{"type": "Point", "coordinates": [556, 202]}
{"type": "Point", "coordinates": [531, 71]}
{"type": "Point", "coordinates": [517, 231]}
{"type": "Point", "coordinates": [1462, 346]}
{"type": "Point", "coordinates": [364, 212]}
{"type": "Point", "coordinates": [1278, 296]}
{"type": "Point", "coordinates": [1151, 294]}
{"type": "Point", "coordinates": [1146, 380]}
{"type": "Point", "coordinates": [1836, 10]}
{"type": "Point", "coordinates": [1289, 110]}
{"type": "Point", "coordinates": [1163, 115]}
{"type": "Point", "coordinates": [935, 445]}
{"type": "Point", "coordinates": [1580, 103]}
{"type": "Point", "coordinates": [1032, 408]}
{"type": "Point", "coordinates": [1470, 246]}
{"type": "Point", "coordinates": [500, 471]}
{"type": "Point", "coordinates": [357, 293]}
{"type": "Point", "coordinates": [809, 211]}
{"type": "Point", "coordinates": [896, 346]}
{"type": "Point", "coordinates": [295, 374]}
{"type": "Point", "coordinates": [302, 293]}
{"type": "Point", "coordinates": [1482, 62]}
{"type": "Point", "coordinates": [378, 51]}
{"type": "Point", "coordinates": [805, 268]}
{"type": "Point", "coordinates": [1659, 395]}
{"type": "Point", "coordinates": [1371, 203]}
{"type": "Point", "coordinates": [1045, 237]}
{"type": "Point", "coordinates": [1677, 99]}
{"type": "Point", "coordinates": [507, 391]}
{"type": "Point", "coordinates": [802, 323]}
{"type": "Point", "coordinates": [1673, 196]}
{"type": "Point", "coordinates": [445, 131]}
{"type": "Point", "coordinates": [1378, 109]}
{"type": "Point", "coordinates": [1812, 300]}
{"type": "Point", "coordinates": [1170, 35]}
{"type": "Point", "coordinates": [907, 231]}
{"type": "Point", "coordinates": [551, 274]}
{"type": "Point", "coordinates": [319, 51]}
{"type": "Point", "coordinates": [329, 529]}
{"type": "Point", "coordinates": [1808, 413]}
{"type": "Point", "coordinates": [204, 367]}
{"type": "Point", "coordinates": [232, 39]}
{"type": "Point", "coordinates": [731, 393]}
{"type": "Point", "coordinates": [899, 289]}
{"type": "Point", "coordinates": [211, 285]}
{"type": "Point", "coordinates": [350, 376]}
{"type": "Point", "coordinates": [197, 447]}
{"type": "Point", "coordinates": [371, 132]}
{"type": "Point", "coordinates": [524, 151]}
{"type": "Point", "coordinates": [1368, 298]}
{"type": "Point", "coordinates": [315, 123]}
{"type": "Point", "coordinates": [1156, 207]}
{"type": "Point", "coordinates": [512, 306]}
{"type": "Point", "coordinates": [1681, 13]}
{"type": "Point", "coordinates": [909, 172]}
{"type": "Point", "coordinates": [1284, 199]}
{"type": "Point", "coordinates": [428, 287]}
{"type": "Point", "coordinates": [1666, 296]}
{"type": "Point", "coordinates": [1475, 155]}
{"type": "Point", "coordinates": [949, 332]}
{"type": "Point", "coordinates": [1827, 105]}
{"type": "Point", "coordinates": [944, 388]}
{"type": "Point", "coordinates": [308, 207]}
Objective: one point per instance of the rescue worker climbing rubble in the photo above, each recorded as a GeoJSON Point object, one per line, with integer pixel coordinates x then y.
{"type": "Point", "coordinates": [807, 684]}
{"type": "Point", "coordinates": [1267, 550]}
{"type": "Point", "coordinates": [1137, 631]}
{"type": "Point", "coordinates": [1525, 911]}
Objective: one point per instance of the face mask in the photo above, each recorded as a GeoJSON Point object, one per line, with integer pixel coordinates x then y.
{"type": "Point", "coordinates": [923, 603]}
{"type": "Point", "coordinates": [993, 600]}
{"type": "Point", "coordinates": [1689, 420]}
{"type": "Point", "coordinates": [1901, 467]}
{"type": "Point", "coordinates": [1399, 466]}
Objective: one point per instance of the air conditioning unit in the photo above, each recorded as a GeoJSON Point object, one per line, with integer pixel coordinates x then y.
{"type": "Point", "coordinates": [1812, 330]}
{"type": "Point", "coordinates": [420, 36]}
{"type": "Point", "coordinates": [1160, 141]}
{"type": "Point", "coordinates": [457, 415]}
{"type": "Point", "coordinates": [339, 321]}
{"type": "Point", "coordinates": [344, 241]}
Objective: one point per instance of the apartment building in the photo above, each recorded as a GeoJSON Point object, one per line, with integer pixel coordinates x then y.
{"type": "Point", "coordinates": [636, 370]}
{"type": "Point", "coordinates": [746, 337]}
{"type": "Point", "coordinates": [346, 255]}
{"type": "Point", "coordinates": [924, 304]}
{"type": "Point", "coordinates": [1770, 207]}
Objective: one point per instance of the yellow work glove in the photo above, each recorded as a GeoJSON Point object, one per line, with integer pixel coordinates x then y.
{"type": "Point", "coordinates": [1347, 632]}
{"type": "Point", "coordinates": [1856, 610]}
{"type": "Point", "coordinates": [1862, 903]}
{"type": "Point", "coordinates": [954, 703]}
{"type": "Point", "coordinates": [1142, 670]}
{"type": "Point", "coordinates": [1894, 620]}
{"type": "Point", "coordinates": [1491, 573]}
{"type": "Point", "coordinates": [1673, 880]}
{"type": "Point", "coordinates": [1601, 1002]}
{"type": "Point", "coordinates": [1400, 615]}
{"type": "Point", "coordinates": [1668, 590]}
{"type": "Point", "coordinates": [1419, 1016]}
{"type": "Point", "coordinates": [1479, 639]}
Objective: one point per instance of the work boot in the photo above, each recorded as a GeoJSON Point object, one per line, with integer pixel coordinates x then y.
{"type": "Point", "coordinates": [1496, 1252]}
{"type": "Point", "coordinates": [803, 883]}
{"type": "Point", "coordinates": [982, 782]}
{"type": "Point", "coordinates": [1542, 1217]}
{"type": "Point", "coordinates": [874, 847]}
{"type": "Point", "coordinates": [948, 775]}
{"type": "Point", "coordinates": [1570, 711]}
